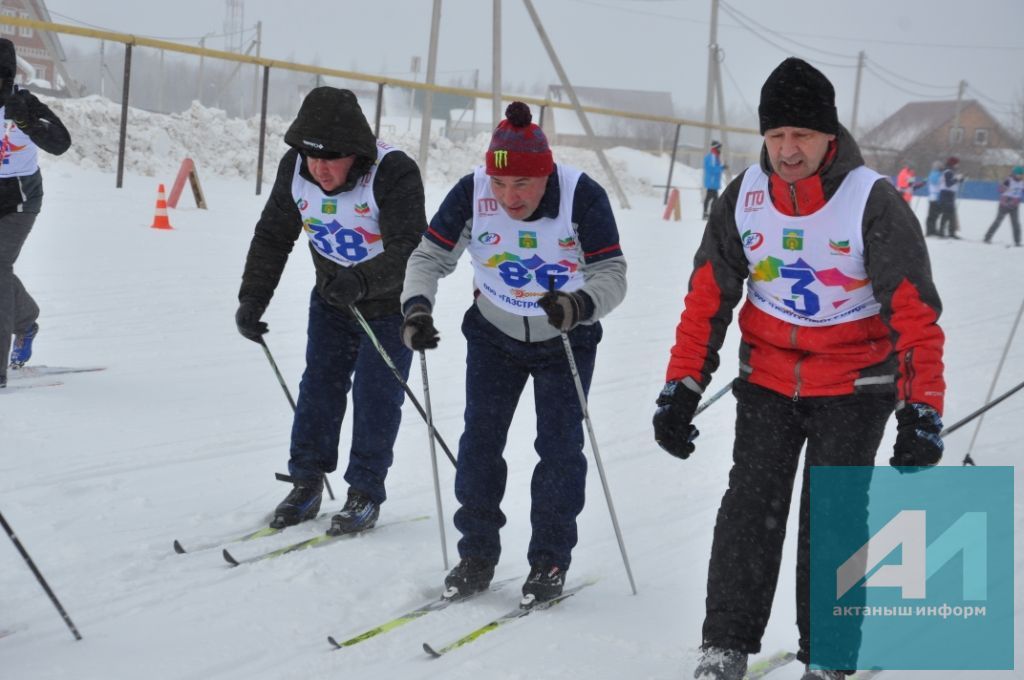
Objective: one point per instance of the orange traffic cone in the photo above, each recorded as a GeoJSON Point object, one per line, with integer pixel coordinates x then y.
{"type": "Point", "coordinates": [160, 220]}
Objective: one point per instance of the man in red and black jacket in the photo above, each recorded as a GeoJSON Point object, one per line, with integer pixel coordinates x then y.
{"type": "Point", "coordinates": [839, 326]}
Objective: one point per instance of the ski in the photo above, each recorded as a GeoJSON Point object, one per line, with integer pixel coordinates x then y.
{"type": "Point", "coordinates": [315, 542]}
{"type": "Point", "coordinates": [761, 668]}
{"type": "Point", "coordinates": [252, 535]}
{"type": "Point", "coordinates": [26, 372]}
{"type": "Point", "coordinates": [434, 605]}
{"type": "Point", "coordinates": [13, 388]}
{"type": "Point", "coordinates": [506, 618]}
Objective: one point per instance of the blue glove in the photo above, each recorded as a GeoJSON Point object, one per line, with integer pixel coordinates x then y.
{"type": "Point", "coordinates": [917, 438]}
{"type": "Point", "coordinates": [672, 427]}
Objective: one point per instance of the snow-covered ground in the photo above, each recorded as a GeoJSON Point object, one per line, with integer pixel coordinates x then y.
{"type": "Point", "coordinates": [180, 437]}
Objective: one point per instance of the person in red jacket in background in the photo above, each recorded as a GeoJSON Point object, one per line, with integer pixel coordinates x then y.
{"type": "Point", "coordinates": [839, 327]}
{"type": "Point", "coordinates": [906, 182]}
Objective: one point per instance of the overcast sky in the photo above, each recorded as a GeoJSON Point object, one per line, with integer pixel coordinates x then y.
{"type": "Point", "coordinates": [916, 49]}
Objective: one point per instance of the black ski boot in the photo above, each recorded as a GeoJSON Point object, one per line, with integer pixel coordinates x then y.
{"type": "Point", "coordinates": [821, 674]}
{"type": "Point", "coordinates": [544, 583]}
{"type": "Point", "coordinates": [358, 514]}
{"type": "Point", "coordinates": [470, 575]}
{"type": "Point", "coordinates": [302, 503]}
{"type": "Point", "coordinates": [718, 663]}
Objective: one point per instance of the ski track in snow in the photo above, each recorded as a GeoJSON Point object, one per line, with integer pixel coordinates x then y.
{"type": "Point", "coordinates": [180, 437]}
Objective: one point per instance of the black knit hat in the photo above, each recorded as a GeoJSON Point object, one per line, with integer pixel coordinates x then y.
{"type": "Point", "coordinates": [798, 95]}
{"type": "Point", "coordinates": [331, 124]}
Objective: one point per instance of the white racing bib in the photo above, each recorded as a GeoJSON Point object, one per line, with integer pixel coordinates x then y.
{"type": "Point", "coordinates": [343, 228]}
{"type": "Point", "coordinates": [807, 270]}
{"type": "Point", "coordinates": [516, 262]}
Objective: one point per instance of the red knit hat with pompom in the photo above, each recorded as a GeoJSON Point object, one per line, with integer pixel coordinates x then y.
{"type": "Point", "coordinates": [518, 147]}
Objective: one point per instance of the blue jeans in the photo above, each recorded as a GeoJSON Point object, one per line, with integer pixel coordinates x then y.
{"type": "Point", "coordinates": [497, 368]}
{"type": "Point", "coordinates": [337, 348]}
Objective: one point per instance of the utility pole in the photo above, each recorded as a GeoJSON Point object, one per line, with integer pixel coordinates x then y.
{"type": "Point", "coordinates": [496, 65]}
{"type": "Point", "coordinates": [199, 90]}
{"type": "Point", "coordinates": [571, 92]}
{"type": "Point", "coordinates": [721, 111]}
{"type": "Point", "coordinates": [103, 65]}
{"type": "Point", "coordinates": [476, 86]}
{"type": "Point", "coordinates": [956, 115]}
{"type": "Point", "coordinates": [709, 101]}
{"type": "Point", "coordinates": [256, 68]}
{"type": "Point", "coordinates": [428, 95]}
{"type": "Point", "coordinates": [160, 98]}
{"type": "Point", "coordinates": [856, 94]}
{"type": "Point", "coordinates": [415, 68]}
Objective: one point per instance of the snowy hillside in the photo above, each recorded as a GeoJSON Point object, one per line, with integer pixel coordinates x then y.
{"type": "Point", "coordinates": [180, 436]}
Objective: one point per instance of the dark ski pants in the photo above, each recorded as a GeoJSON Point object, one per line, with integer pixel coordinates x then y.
{"type": "Point", "coordinates": [1014, 223]}
{"type": "Point", "coordinates": [18, 311]}
{"type": "Point", "coordinates": [930, 226]}
{"type": "Point", "coordinates": [497, 367]}
{"type": "Point", "coordinates": [949, 224]}
{"type": "Point", "coordinates": [710, 196]}
{"type": "Point", "coordinates": [771, 430]}
{"type": "Point", "coordinates": [337, 348]}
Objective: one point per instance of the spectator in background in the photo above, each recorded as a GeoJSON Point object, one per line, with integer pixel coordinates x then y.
{"type": "Point", "coordinates": [1011, 190]}
{"type": "Point", "coordinates": [934, 178]}
{"type": "Point", "coordinates": [906, 182]}
{"type": "Point", "coordinates": [30, 126]}
{"type": "Point", "coordinates": [713, 168]}
{"type": "Point", "coordinates": [949, 188]}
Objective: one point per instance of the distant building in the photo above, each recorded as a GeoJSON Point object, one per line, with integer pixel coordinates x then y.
{"type": "Point", "coordinates": [923, 132]}
{"type": "Point", "coordinates": [40, 55]}
{"type": "Point", "coordinates": [563, 127]}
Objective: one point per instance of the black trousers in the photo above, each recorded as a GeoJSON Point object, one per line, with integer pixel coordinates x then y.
{"type": "Point", "coordinates": [710, 196]}
{"type": "Point", "coordinates": [771, 430]}
{"type": "Point", "coordinates": [930, 226]}
{"type": "Point", "coordinates": [1014, 223]}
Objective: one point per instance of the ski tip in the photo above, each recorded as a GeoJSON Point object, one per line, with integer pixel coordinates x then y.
{"type": "Point", "coordinates": [334, 643]}
{"type": "Point", "coordinates": [431, 651]}
{"type": "Point", "coordinates": [229, 558]}
{"type": "Point", "coordinates": [178, 549]}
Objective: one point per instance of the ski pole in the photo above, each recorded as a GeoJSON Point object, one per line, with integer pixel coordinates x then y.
{"type": "Point", "coordinates": [711, 400]}
{"type": "Point", "coordinates": [39, 577]}
{"type": "Point", "coordinates": [433, 456]}
{"type": "Point", "coordinates": [963, 421]}
{"type": "Point", "coordinates": [597, 455]}
{"type": "Point", "coordinates": [284, 386]}
{"type": "Point", "coordinates": [995, 378]}
{"type": "Point", "coordinates": [398, 376]}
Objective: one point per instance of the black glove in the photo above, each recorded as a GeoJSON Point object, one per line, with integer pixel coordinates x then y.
{"type": "Point", "coordinates": [247, 318]}
{"type": "Point", "coordinates": [17, 108]}
{"type": "Point", "coordinates": [346, 288]}
{"type": "Point", "coordinates": [418, 332]}
{"type": "Point", "coordinates": [563, 309]}
{"type": "Point", "coordinates": [917, 437]}
{"type": "Point", "coordinates": [672, 427]}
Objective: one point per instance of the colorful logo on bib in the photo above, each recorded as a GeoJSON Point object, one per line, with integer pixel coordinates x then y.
{"type": "Point", "coordinates": [516, 272]}
{"type": "Point", "coordinates": [329, 206]}
{"type": "Point", "coordinates": [839, 247]}
{"type": "Point", "coordinates": [752, 240]}
{"type": "Point", "coordinates": [13, 148]}
{"type": "Point", "coordinates": [527, 239]}
{"type": "Point", "coordinates": [802, 299]}
{"type": "Point", "coordinates": [339, 242]}
{"type": "Point", "coordinates": [569, 242]}
{"type": "Point", "coordinates": [487, 206]}
{"type": "Point", "coordinates": [489, 239]}
{"type": "Point", "coordinates": [362, 209]}
{"type": "Point", "coordinates": [792, 239]}
{"type": "Point", "coordinates": [301, 203]}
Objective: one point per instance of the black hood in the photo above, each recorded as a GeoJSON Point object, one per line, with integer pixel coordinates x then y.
{"type": "Point", "coordinates": [330, 120]}
{"type": "Point", "coordinates": [8, 59]}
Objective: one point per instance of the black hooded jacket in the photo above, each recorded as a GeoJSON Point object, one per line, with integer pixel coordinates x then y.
{"type": "Point", "coordinates": [43, 127]}
{"type": "Point", "coordinates": [330, 120]}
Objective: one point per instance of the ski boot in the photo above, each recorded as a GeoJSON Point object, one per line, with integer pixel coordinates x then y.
{"type": "Point", "coordinates": [718, 663]}
{"type": "Point", "coordinates": [358, 514]}
{"type": "Point", "coordinates": [470, 575]}
{"type": "Point", "coordinates": [302, 503]}
{"type": "Point", "coordinates": [821, 674]}
{"type": "Point", "coordinates": [544, 583]}
{"type": "Point", "coordinates": [21, 350]}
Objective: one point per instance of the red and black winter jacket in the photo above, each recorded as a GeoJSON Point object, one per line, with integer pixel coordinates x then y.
{"type": "Point", "coordinates": [900, 348]}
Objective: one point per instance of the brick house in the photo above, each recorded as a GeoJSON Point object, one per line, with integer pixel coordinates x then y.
{"type": "Point", "coordinates": [40, 55]}
{"type": "Point", "coordinates": [923, 132]}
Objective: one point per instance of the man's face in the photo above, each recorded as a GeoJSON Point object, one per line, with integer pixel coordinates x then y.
{"type": "Point", "coordinates": [518, 196]}
{"type": "Point", "coordinates": [330, 173]}
{"type": "Point", "coordinates": [795, 152]}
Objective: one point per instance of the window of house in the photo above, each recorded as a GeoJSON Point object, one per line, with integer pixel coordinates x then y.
{"type": "Point", "coordinates": [956, 135]}
{"type": "Point", "coordinates": [24, 31]}
{"type": "Point", "coordinates": [7, 28]}
{"type": "Point", "coordinates": [981, 137]}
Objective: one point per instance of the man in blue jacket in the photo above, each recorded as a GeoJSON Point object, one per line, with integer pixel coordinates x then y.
{"type": "Point", "coordinates": [713, 168]}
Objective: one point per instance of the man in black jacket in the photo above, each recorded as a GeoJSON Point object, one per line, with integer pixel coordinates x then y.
{"type": "Point", "coordinates": [361, 204]}
{"type": "Point", "coordinates": [29, 125]}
